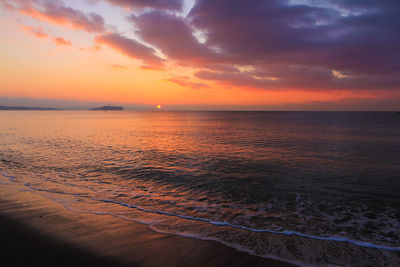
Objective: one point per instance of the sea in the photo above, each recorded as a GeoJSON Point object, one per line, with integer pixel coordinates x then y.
{"type": "Point", "coordinates": [250, 180]}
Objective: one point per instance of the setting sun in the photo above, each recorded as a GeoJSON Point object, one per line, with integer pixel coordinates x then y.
{"type": "Point", "coordinates": [159, 107]}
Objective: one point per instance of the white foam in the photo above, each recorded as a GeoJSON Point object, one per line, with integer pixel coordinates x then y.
{"type": "Point", "coordinates": [227, 224]}
{"type": "Point", "coordinates": [286, 232]}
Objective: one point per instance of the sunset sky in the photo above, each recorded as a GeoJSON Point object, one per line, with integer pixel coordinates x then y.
{"type": "Point", "coordinates": [202, 54]}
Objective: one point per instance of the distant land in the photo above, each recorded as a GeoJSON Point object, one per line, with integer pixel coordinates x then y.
{"type": "Point", "coordinates": [108, 108]}
{"type": "Point", "coordinates": [25, 108]}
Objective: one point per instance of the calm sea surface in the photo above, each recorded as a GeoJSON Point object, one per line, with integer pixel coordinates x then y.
{"type": "Point", "coordinates": [217, 175]}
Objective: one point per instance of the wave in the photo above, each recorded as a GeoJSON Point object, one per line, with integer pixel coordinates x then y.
{"type": "Point", "coordinates": [286, 232]}
{"type": "Point", "coordinates": [228, 224]}
{"type": "Point", "coordinates": [213, 222]}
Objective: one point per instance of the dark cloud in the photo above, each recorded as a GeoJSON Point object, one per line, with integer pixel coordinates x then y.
{"type": "Point", "coordinates": [220, 67]}
{"type": "Point", "coordinates": [254, 32]}
{"type": "Point", "coordinates": [131, 48]}
{"type": "Point", "coordinates": [301, 44]}
{"type": "Point", "coordinates": [174, 37]}
{"type": "Point", "coordinates": [56, 12]}
{"type": "Point", "coordinates": [158, 4]}
{"type": "Point", "coordinates": [305, 78]}
{"type": "Point", "coordinates": [236, 79]}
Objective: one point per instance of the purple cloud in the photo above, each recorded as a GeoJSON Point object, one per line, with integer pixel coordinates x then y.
{"type": "Point", "coordinates": [185, 81]}
{"type": "Point", "coordinates": [157, 4]}
{"type": "Point", "coordinates": [310, 45]}
{"type": "Point", "coordinates": [174, 37]}
{"type": "Point", "coordinates": [306, 78]}
{"type": "Point", "coordinates": [304, 45]}
{"type": "Point", "coordinates": [131, 48]}
{"type": "Point", "coordinates": [266, 32]}
{"type": "Point", "coordinates": [56, 12]}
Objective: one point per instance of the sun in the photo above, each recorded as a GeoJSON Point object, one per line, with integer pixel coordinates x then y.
{"type": "Point", "coordinates": [159, 106]}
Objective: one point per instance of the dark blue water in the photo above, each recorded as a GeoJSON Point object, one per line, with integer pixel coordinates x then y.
{"type": "Point", "coordinates": [321, 175]}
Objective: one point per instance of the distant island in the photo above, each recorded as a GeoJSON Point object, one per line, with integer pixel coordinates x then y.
{"type": "Point", "coordinates": [108, 108]}
{"type": "Point", "coordinates": [25, 108]}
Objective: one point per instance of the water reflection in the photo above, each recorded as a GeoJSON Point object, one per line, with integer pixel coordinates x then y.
{"type": "Point", "coordinates": [317, 174]}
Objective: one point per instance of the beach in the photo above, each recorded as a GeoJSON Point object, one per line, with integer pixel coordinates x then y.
{"type": "Point", "coordinates": [36, 231]}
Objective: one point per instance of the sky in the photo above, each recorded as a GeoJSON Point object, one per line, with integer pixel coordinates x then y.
{"type": "Point", "coordinates": [201, 54]}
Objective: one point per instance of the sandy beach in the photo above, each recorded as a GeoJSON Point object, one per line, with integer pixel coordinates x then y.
{"type": "Point", "coordinates": [38, 232]}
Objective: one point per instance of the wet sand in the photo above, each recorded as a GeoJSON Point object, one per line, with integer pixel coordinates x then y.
{"type": "Point", "coordinates": [36, 231]}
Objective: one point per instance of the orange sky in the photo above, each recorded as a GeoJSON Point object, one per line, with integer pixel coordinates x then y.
{"type": "Point", "coordinates": [58, 58]}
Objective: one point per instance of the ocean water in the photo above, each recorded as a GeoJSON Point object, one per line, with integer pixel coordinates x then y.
{"type": "Point", "coordinates": [234, 177]}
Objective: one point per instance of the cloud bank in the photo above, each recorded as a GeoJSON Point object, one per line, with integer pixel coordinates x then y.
{"type": "Point", "coordinates": [264, 45]}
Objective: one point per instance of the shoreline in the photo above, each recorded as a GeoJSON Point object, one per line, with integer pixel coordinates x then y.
{"type": "Point", "coordinates": [40, 232]}
{"type": "Point", "coordinates": [110, 239]}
